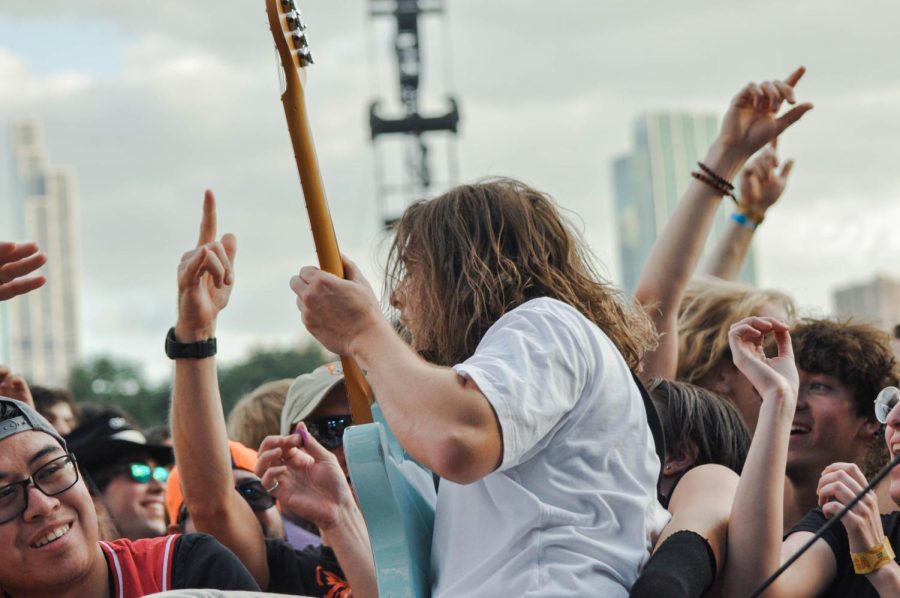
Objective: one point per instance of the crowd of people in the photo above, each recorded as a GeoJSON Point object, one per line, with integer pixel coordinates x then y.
{"type": "Point", "coordinates": [683, 442]}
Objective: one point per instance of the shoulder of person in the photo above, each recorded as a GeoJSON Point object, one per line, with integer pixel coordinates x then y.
{"type": "Point", "coordinates": [201, 561]}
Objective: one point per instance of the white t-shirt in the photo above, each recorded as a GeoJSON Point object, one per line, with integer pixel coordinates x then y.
{"type": "Point", "coordinates": [572, 508]}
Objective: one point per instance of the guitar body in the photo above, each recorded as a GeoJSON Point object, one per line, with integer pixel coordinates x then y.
{"type": "Point", "coordinates": [397, 498]}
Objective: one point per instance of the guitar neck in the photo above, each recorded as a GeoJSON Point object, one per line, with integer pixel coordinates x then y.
{"type": "Point", "coordinates": [358, 391]}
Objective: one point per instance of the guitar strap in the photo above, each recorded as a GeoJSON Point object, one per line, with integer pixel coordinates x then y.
{"type": "Point", "coordinates": [659, 438]}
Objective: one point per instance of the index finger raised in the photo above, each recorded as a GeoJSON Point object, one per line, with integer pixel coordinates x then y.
{"type": "Point", "coordinates": [208, 221]}
{"type": "Point", "coordinates": [794, 77]}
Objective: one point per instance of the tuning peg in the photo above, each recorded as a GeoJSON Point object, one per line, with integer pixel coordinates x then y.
{"type": "Point", "coordinates": [302, 46]}
{"type": "Point", "coordinates": [295, 21]}
{"type": "Point", "coordinates": [289, 5]}
{"type": "Point", "coordinates": [305, 56]}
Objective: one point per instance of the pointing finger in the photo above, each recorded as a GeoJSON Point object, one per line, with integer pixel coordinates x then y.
{"type": "Point", "coordinates": [208, 222]}
{"type": "Point", "coordinates": [791, 116]}
{"type": "Point", "coordinates": [786, 169]}
{"type": "Point", "coordinates": [794, 77]}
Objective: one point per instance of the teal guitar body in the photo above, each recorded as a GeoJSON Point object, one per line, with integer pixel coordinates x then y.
{"type": "Point", "coordinates": [397, 497]}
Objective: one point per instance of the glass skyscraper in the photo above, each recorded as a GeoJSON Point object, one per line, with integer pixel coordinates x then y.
{"type": "Point", "coordinates": [649, 180]}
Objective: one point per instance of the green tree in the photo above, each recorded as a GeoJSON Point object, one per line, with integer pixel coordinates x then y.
{"type": "Point", "coordinates": [264, 365]}
{"type": "Point", "coordinates": [118, 382]}
{"type": "Point", "coordinates": [111, 381]}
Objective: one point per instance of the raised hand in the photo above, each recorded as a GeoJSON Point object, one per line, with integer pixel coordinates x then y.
{"type": "Point", "coordinates": [762, 183]}
{"type": "Point", "coordinates": [16, 261]}
{"type": "Point", "coordinates": [770, 376]}
{"type": "Point", "coordinates": [205, 279]}
{"type": "Point", "coordinates": [752, 119]}
{"type": "Point", "coordinates": [305, 477]}
{"type": "Point", "coordinates": [336, 311]}
{"type": "Point", "coordinates": [13, 386]}
{"type": "Point", "coordinates": [838, 485]}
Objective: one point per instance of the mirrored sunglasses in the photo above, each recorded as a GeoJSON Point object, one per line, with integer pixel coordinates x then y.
{"type": "Point", "coordinates": [329, 430]}
{"type": "Point", "coordinates": [885, 402]}
{"type": "Point", "coordinates": [143, 473]}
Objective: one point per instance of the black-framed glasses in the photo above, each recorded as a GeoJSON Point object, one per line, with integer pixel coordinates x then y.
{"type": "Point", "coordinates": [143, 473]}
{"type": "Point", "coordinates": [886, 400]}
{"type": "Point", "coordinates": [52, 478]}
{"type": "Point", "coordinates": [329, 430]}
{"type": "Point", "coordinates": [250, 490]}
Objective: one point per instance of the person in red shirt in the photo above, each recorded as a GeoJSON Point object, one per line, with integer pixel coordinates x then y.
{"type": "Point", "coordinates": [48, 529]}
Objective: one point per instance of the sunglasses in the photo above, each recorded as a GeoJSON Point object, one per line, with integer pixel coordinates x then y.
{"type": "Point", "coordinates": [143, 473]}
{"type": "Point", "coordinates": [251, 491]}
{"type": "Point", "coordinates": [329, 430]}
{"type": "Point", "coordinates": [885, 402]}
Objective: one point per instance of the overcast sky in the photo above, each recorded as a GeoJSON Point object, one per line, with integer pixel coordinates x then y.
{"type": "Point", "coordinates": [154, 102]}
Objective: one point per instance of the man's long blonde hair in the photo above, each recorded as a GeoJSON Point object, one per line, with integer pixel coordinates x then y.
{"type": "Point", "coordinates": [481, 250]}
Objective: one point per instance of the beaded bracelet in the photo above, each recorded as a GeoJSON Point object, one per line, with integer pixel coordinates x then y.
{"type": "Point", "coordinates": [873, 559]}
{"type": "Point", "coordinates": [723, 182]}
{"type": "Point", "coordinates": [724, 190]}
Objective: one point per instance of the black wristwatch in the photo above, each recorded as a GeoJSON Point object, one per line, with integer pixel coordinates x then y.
{"type": "Point", "coordinates": [197, 350]}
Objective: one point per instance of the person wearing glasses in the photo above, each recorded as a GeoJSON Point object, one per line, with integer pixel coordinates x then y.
{"type": "Point", "coordinates": [247, 485]}
{"type": "Point", "coordinates": [128, 472]}
{"type": "Point", "coordinates": [205, 280]}
{"type": "Point", "coordinates": [319, 400]}
{"type": "Point", "coordinates": [48, 529]}
{"type": "Point", "coordinates": [853, 558]}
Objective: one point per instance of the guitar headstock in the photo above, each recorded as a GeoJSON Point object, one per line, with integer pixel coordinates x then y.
{"type": "Point", "coordinates": [289, 32]}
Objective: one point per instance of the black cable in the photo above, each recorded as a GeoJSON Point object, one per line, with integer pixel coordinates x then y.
{"type": "Point", "coordinates": [874, 482]}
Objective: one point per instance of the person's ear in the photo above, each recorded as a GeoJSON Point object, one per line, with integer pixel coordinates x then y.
{"type": "Point", "coordinates": [870, 428]}
{"type": "Point", "coordinates": [680, 459]}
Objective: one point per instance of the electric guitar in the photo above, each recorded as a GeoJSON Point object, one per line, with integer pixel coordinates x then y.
{"type": "Point", "coordinates": [396, 495]}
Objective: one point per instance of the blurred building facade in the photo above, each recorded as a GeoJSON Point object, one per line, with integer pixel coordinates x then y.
{"type": "Point", "coordinates": [876, 302]}
{"type": "Point", "coordinates": [649, 180]}
{"type": "Point", "coordinates": [40, 330]}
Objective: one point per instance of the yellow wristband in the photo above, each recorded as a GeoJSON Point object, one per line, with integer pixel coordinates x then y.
{"type": "Point", "coordinates": [754, 216]}
{"type": "Point", "coordinates": [873, 559]}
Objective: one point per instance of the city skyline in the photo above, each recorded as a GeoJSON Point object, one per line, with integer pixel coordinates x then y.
{"type": "Point", "coordinates": [41, 336]}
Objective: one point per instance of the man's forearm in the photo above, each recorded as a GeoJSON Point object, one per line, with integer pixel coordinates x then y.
{"type": "Point", "coordinates": [204, 461]}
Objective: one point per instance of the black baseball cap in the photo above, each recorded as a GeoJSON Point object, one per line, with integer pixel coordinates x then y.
{"type": "Point", "coordinates": [108, 437]}
{"type": "Point", "coordinates": [27, 419]}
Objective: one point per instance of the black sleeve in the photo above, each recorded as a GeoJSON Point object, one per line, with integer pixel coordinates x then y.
{"type": "Point", "coordinates": [313, 571]}
{"type": "Point", "coordinates": [836, 537]}
{"type": "Point", "coordinates": [200, 562]}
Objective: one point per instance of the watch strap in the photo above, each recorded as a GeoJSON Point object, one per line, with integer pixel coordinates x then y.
{"type": "Point", "coordinates": [195, 350]}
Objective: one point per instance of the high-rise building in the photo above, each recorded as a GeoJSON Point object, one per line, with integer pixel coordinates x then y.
{"type": "Point", "coordinates": [650, 179]}
{"type": "Point", "coordinates": [41, 329]}
{"type": "Point", "coordinates": [877, 302]}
